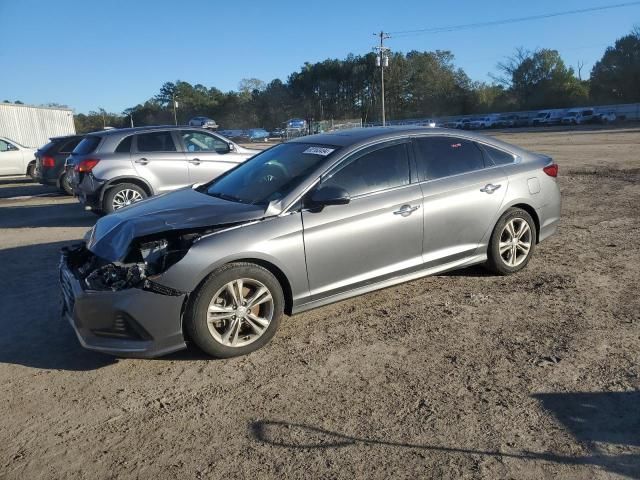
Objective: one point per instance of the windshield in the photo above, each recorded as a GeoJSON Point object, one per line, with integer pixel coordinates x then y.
{"type": "Point", "coordinates": [270, 175]}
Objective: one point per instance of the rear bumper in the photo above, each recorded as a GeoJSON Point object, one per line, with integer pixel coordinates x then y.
{"type": "Point", "coordinates": [131, 322]}
{"type": "Point", "coordinates": [549, 214]}
{"type": "Point", "coordinates": [48, 176]}
{"type": "Point", "coordinates": [88, 189]}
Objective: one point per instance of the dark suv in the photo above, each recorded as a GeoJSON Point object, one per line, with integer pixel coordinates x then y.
{"type": "Point", "coordinates": [50, 161]}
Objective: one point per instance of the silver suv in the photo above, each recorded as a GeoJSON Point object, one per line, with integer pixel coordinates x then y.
{"type": "Point", "coordinates": [115, 168]}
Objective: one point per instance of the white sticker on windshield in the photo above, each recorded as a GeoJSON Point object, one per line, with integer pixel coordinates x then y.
{"type": "Point", "coordinates": [319, 151]}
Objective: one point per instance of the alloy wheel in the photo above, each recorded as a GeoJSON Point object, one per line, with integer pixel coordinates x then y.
{"type": "Point", "coordinates": [240, 312]}
{"type": "Point", "coordinates": [515, 242]}
{"type": "Point", "coordinates": [125, 197]}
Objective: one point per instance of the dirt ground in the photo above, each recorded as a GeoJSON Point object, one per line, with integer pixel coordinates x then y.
{"type": "Point", "coordinates": [464, 375]}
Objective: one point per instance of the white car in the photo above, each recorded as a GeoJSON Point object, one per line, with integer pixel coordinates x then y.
{"type": "Point", "coordinates": [428, 123]}
{"type": "Point", "coordinates": [484, 122]}
{"type": "Point", "coordinates": [16, 159]}
{"type": "Point", "coordinates": [204, 122]}
{"type": "Point", "coordinates": [578, 116]}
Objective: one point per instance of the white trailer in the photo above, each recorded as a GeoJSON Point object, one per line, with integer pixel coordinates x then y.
{"type": "Point", "coordinates": [33, 126]}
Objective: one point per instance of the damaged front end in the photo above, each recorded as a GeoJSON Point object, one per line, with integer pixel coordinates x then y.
{"type": "Point", "coordinates": [147, 258]}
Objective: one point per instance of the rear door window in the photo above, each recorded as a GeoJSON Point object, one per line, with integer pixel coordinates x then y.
{"type": "Point", "coordinates": [195, 141]}
{"type": "Point", "coordinates": [440, 157]}
{"type": "Point", "coordinates": [87, 145]}
{"type": "Point", "coordinates": [156, 142]}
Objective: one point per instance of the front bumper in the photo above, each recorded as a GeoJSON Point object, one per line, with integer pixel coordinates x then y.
{"type": "Point", "coordinates": [131, 322]}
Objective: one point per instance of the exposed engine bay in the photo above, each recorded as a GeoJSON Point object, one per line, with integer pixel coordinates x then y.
{"type": "Point", "coordinates": [147, 257]}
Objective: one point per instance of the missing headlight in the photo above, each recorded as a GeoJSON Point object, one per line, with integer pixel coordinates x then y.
{"type": "Point", "coordinates": [116, 277]}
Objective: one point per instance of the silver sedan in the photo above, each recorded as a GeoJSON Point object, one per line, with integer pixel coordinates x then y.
{"type": "Point", "coordinates": [305, 223]}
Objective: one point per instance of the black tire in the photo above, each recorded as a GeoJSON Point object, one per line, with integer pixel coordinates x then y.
{"type": "Point", "coordinates": [65, 184]}
{"type": "Point", "coordinates": [31, 170]}
{"type": "Point", "coordinates": [495, 262]}
{"type": "Point", "coordinates": [110, 195]}
{"type": "Point", "coordinates": [195, 322]}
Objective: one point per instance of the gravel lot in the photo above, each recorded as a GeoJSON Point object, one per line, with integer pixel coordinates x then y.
{"type": "Point", "coordinates": [465, 375]}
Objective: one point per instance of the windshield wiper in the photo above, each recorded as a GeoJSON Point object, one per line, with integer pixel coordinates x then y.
{"type": "Point", "coordinates": [225, 196]}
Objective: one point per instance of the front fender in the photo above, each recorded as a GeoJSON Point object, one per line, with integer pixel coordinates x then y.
{"type": "Point", "coordinates": [277, 241]}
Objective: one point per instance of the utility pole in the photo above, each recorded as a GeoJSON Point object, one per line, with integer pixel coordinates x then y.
{"type": "Point", "coordinates": [175, 105]}
{"type": "Point", "coordinates": [382, 61]}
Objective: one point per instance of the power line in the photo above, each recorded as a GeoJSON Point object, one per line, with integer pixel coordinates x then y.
{"type": "Point", "coordinates": [468, 26]}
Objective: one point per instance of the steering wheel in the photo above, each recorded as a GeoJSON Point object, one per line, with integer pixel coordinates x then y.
{"type": "Point", "coordinates": [271, 172]}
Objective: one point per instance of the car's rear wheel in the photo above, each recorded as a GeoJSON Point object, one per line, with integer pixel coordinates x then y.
{"type": "Point", "coordinates": [512, 243]}
{"type": "Point", "coordinates": [31, 170]}
{"type": "Point", "coordinates": [65, 183]}
{"type": "Point", "coordinates": [236, 311]}
{"type": "Point", "coordinates": [122, 195]}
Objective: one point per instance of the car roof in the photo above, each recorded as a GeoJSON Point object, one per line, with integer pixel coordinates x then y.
{"type": "Point", "coordinates": [65, 137]}
{"type": "Point", "coordinates": [354, 136]}
{"type": "Point", "coordinates": [360, 136]}
{"type": "Point", "coordinates": [130, 131]}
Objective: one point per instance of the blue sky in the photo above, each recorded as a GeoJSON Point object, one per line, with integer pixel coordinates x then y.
{"type": "Point", "coordinates": [115, 54]}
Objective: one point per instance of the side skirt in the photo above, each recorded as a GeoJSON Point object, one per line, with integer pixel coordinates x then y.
{"type": "Point", "coordinates": [465, 262]}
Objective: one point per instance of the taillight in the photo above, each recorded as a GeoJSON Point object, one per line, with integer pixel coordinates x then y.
{"type": "Point", "coordinates": [551, 170]}
{"type": "Point", "coordinates": [85, 166]}
{"type": "Point", "coordinates": [48, 161]}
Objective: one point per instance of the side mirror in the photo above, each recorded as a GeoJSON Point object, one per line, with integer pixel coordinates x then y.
{"type": "Point", "coordinates": [329, 195]}
{"type": "Point", "coordinates": [232, 147]}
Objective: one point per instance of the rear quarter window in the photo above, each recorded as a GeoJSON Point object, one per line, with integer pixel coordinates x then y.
{"type": "Point", "coordinates": [87, 145]}
{"type": "Point", "coordinates": [125, 145]}
{"type": "Point", "coordinates": [496, 156]}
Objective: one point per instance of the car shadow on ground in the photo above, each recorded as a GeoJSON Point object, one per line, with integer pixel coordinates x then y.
{"type": "Point", "coordinates": [594, 419]}
{"type": "Point", "coordinates": [49, 215]}
{"type": "Point", "coordinates": [473, 271]}
{"type": "Point", "coordinates": [24, 187]}
{"type": "Point", "coordinates": [17, 180]}
{"type": "Point", "coordinates": [33, 332]}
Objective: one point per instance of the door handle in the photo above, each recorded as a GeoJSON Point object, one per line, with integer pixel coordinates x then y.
{"type": "Point", "coordinates": [406, 210]}
{"type": "Point", "coordinates": [194, 161]}
{"type": "Point", "coordinates": [490, 188]}
{"type": "Point", "coordinates": [142, 161]}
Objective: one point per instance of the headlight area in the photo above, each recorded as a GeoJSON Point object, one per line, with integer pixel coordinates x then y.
{"type": "Point", "coordinates": [146, 258]}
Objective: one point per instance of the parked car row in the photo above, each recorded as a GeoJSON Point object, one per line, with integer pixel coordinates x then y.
{"type": "Point", "coordinates": [250, 135]}
{"type": "Point", "coordinates": [574, 116]}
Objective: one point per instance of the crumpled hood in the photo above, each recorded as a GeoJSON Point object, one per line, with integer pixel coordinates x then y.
{"type": "Point", "coordinates": [178, 210]}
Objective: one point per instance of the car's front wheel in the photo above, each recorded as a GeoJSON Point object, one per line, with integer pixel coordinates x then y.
{"type": "Point", "coordinates": [236, 311]}
{"type": "Point", "coordinates": [512, 243]}
{"type": "Point", "coordinates": [122, 195]}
